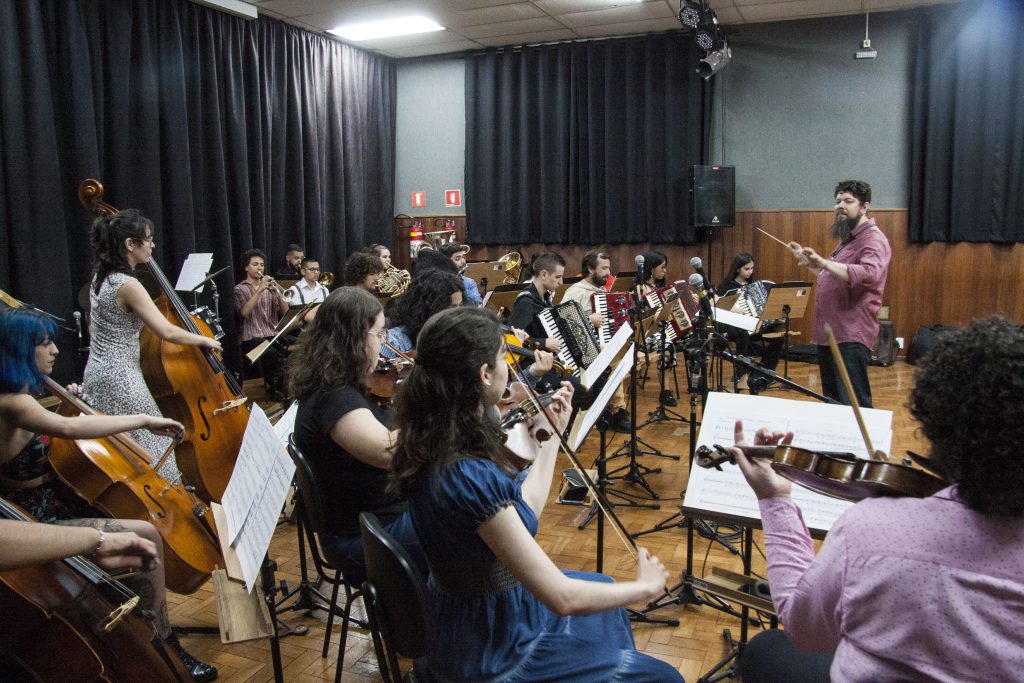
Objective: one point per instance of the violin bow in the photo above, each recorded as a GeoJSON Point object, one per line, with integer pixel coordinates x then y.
{"type": "Point", "coordinates": [404, 356]}
{"type": "Point", "coordinates": [848, 385]}
{"type": "Point", "coordinates": [599, 498]}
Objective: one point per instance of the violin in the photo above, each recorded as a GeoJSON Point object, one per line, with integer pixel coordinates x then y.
{"type": "Point", "coordinates": [114, 475]}
{"type": "Point", "coordinates": [518, 411]}
{"type": "Point", "coordinates": [388, 376]}
{"type": "Point", "coordinates": [838, 475]}
{"type": "Point", "coordinates": [513, 349]}
{"type": "Point", "coordinates": [190, 384]}
{"type": "Point", "coordinates": [71, 621]}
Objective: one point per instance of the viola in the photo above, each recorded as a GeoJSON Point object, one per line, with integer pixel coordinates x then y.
{"type": "Point", "coordinates": [190, 384]}
{"type": "Point", "coordinates": [114, 475]}
{"type": "Point", "coordinates": [838, 475]}
{"type": "Point", "coordinates": [513, 349]}
{"type": "Point", "coordinates": [71, 621]}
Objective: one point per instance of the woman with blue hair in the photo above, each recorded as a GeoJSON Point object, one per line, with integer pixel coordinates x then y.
{"type": "Point", "coordinates": [27, 356]}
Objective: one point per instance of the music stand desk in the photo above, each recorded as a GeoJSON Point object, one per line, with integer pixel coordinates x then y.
{"type": "Point", "coordinates": [492, 271]}
{"type": "Point", "coordinates": [795, 295]}
{"type": "Point", "coordinates": [503, 296]}
{"type": "Point", "coordinates": [623, 281]}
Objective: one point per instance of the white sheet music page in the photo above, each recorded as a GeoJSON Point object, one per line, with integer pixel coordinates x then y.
{"type": "Point", "coordinates": [586, 419]}
{"type": "Point", "coordinates": [286, 425]}
{"type": "Point", "coordinates": [260, 448]}
{"type": "Point", "coordinates": [193, 272]}
{"type": "Point", "coordinates": [816, 426]}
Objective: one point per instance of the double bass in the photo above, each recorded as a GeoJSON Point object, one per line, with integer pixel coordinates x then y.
{"type": "Point", "coordinates": [190, 384]}
{"type": "Point", "coordinates": [70, 621]}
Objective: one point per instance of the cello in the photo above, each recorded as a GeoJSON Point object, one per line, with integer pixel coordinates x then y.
{"type": "Point", "coordinates": [70, 621]}
{"type": "Point", "coordinates": [114, 475]}
{"type": "Point", "coordinates": [190, 384]}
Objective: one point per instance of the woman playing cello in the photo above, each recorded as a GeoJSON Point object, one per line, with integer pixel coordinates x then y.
{"type": "Point", "coordinates": [27, 353]}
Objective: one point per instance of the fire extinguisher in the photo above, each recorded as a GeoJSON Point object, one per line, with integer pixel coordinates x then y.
{"type": "Point", "coordinates": [415, 238]}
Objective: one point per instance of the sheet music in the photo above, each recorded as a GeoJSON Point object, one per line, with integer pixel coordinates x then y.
{"type": "Point", "coordinates": [251, 545]}
{"type": "Point", "coordinates": [816, 426]}
{"type": "Point", "coordinates": [589, 375]}
{"type": "Point", "coordinates": [286, 425]}
{"type": "Point", "coordinates": [260, 447]}
{"type": "Point", "coordinates": [743, 322]}
{"type": "Point", "coordinates": [585, 420]}
{"type": "Point", "coordinates": [194, 271]}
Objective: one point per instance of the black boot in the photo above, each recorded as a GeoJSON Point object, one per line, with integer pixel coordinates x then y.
{"type": "Point", "coordinates": [199, 671]}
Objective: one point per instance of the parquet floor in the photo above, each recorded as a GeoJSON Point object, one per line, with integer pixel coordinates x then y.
{"type": "Point", "coordinates": [694, 646]}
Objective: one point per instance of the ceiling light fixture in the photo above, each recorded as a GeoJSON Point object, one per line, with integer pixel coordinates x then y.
{"type": "Point", "coordinates": [698, 17]}
{"type": "Point", "coordinates": [373, 30]}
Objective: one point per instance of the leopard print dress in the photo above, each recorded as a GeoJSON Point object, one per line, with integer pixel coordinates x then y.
{"type": "Point", "coordinates": [113, 380]}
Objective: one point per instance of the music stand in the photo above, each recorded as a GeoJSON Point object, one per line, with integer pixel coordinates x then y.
{"type": "Point", "coordinates": [622, 281]}
{"type": "Point", "coordinates": [485, 274]}
{"type": "Point", "coordinates": [292, 319]}
{"type": "Point", "coordinates": [502, 298]}
{"type": "Point", "coordinates": [787, 301]}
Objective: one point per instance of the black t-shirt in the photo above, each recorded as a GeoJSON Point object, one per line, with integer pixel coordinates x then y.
{"type": "Point", "coordinates": [351, 485]}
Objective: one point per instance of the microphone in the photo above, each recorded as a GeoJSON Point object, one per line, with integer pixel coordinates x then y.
{"type": "Point", "coordinates": [697, 283]}
{"type": "Point", "coordinates": [78, 324]}
{"type": "Point", "coordinates": [639, 263]}
{"type": "Point", "coordinates": [698, 266]}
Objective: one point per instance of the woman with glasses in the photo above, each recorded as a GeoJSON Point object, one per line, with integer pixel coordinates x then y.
{"type": "Point", "coordinates": [341, 431]}
{"type": "Point", "coordinates": [119, 308]}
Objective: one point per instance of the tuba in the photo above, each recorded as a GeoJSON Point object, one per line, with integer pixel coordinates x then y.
{"type": "Point", "coordinates": [393, 282]}
{"type": "Point", "coordinates": [513, 265]}
{"type": "Point", "coordinates": [435, 240]}
{"type": "Point", "coordinates": [326, 279]}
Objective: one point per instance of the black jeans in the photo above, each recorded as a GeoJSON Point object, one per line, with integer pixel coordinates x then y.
{"type": "Point", "coordinates": [770, 656]}
{"type": "Point", "coordinates": [855, 357]}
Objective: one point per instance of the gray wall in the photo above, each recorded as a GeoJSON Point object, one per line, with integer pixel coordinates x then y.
{"type": "Point", "coordinates": [430, 134]}
{"type": "Point", "coordinates": [794, 113]}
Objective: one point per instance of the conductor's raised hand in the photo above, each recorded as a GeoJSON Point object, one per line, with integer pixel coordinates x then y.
{"type": "Point", "coordinates": [758, 472]}
{"type": "Point", "coordinates": [798, 253]}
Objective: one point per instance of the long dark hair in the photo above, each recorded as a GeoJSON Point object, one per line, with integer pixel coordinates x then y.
{"type": "Point", "coordinates": [738, 261]}
{"type": "Point", "coordinates": [428, 293]}
{"type": "Point", "coordinates": [438, 410]}
{"type": "Point", "coordinates": [333, 350]}
{"type": "Point", "coordinates": [652, 260]}
{"type": "Point", "coordinates": [967, 397]}
{"type": "Point", "coordinates": [107, 241]}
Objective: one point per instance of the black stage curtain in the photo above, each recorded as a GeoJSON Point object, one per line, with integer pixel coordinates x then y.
{"type": "Point", "coordinates": [229, 134]}
{"type": "Point", "coordinates": [586, 142]}
{"type": "Point", "coordinates": [967, 140]}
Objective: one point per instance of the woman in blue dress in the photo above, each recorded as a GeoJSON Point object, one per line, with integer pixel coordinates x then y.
{"type": "Point", "coordinates": [503, 611]}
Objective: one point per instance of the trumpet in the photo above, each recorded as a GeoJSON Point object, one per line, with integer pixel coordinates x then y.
{"type": "Point", "coordinates": [281, 291]}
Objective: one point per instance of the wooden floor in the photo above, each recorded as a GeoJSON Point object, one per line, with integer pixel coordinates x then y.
{"type": "Point", "coordinates": [694, 646]}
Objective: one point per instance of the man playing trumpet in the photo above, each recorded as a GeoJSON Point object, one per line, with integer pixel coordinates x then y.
{"type": "Point", "coordinates": [260, 302]}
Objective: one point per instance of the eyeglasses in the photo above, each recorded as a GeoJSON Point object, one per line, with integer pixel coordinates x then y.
{"type": "Point", "coordinates": [382, 335]}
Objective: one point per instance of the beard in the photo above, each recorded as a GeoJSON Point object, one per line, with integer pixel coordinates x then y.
{"type": "Point", "coordinates": [597, 281]}
{"type": "Point", "coordinates": [843, 228]}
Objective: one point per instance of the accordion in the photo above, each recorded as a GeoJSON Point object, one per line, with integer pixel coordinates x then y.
{"type": "Point", "coordinates": [567, 323]}
{"type": "Point", "coordinates": [682, 304]}
{"type": "Point", "coordinates": [752, 299]}
{"type": "Point", "coordinates": [615, 308]}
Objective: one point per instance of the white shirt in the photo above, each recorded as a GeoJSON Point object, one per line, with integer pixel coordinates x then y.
{"type": "Point", "coordinates": [305, 294]}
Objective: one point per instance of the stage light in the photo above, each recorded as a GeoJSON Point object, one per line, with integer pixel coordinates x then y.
{"type": "Point", "coordinates": [690, 13]}
{"type": "Point", "coordinates": [714, 61]}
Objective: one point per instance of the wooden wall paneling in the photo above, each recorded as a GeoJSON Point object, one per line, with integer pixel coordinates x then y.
{"type": "Point", "coordinates": [929, 284]}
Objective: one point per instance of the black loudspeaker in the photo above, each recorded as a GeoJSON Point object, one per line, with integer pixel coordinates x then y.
{"type": "Point", "coordinates": [885, 350]}
{"type": "Point", "coordinates": [713, 196]}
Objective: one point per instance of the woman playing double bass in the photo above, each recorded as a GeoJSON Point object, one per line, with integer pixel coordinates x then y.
{"type": "Point", "coordinates": [120, 307]}
{"type": "Point", "coordinates": [911, 588]}
{"type": "Point", "coordinates": [27, 354]}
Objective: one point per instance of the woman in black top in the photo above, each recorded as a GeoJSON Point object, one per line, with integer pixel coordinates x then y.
{"type": "Point", "coordinates": [344, 434]}
{"type": "Point", "coordinates": [741, 273]}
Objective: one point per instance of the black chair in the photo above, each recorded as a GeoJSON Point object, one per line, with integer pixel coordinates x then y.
{"type": "Point", "coordinates": [397, 603]}
{"type": "Point", "coordinates": [311, 509]}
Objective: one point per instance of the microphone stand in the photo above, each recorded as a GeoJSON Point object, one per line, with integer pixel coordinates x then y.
{"type": "Point", "coordinates": [666, 360]}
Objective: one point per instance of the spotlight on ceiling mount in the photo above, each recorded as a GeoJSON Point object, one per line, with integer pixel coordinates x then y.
{"type": "Point", "coordinates": [714, 61]}
{"type": "Point", "coordinates": [690, 13]}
